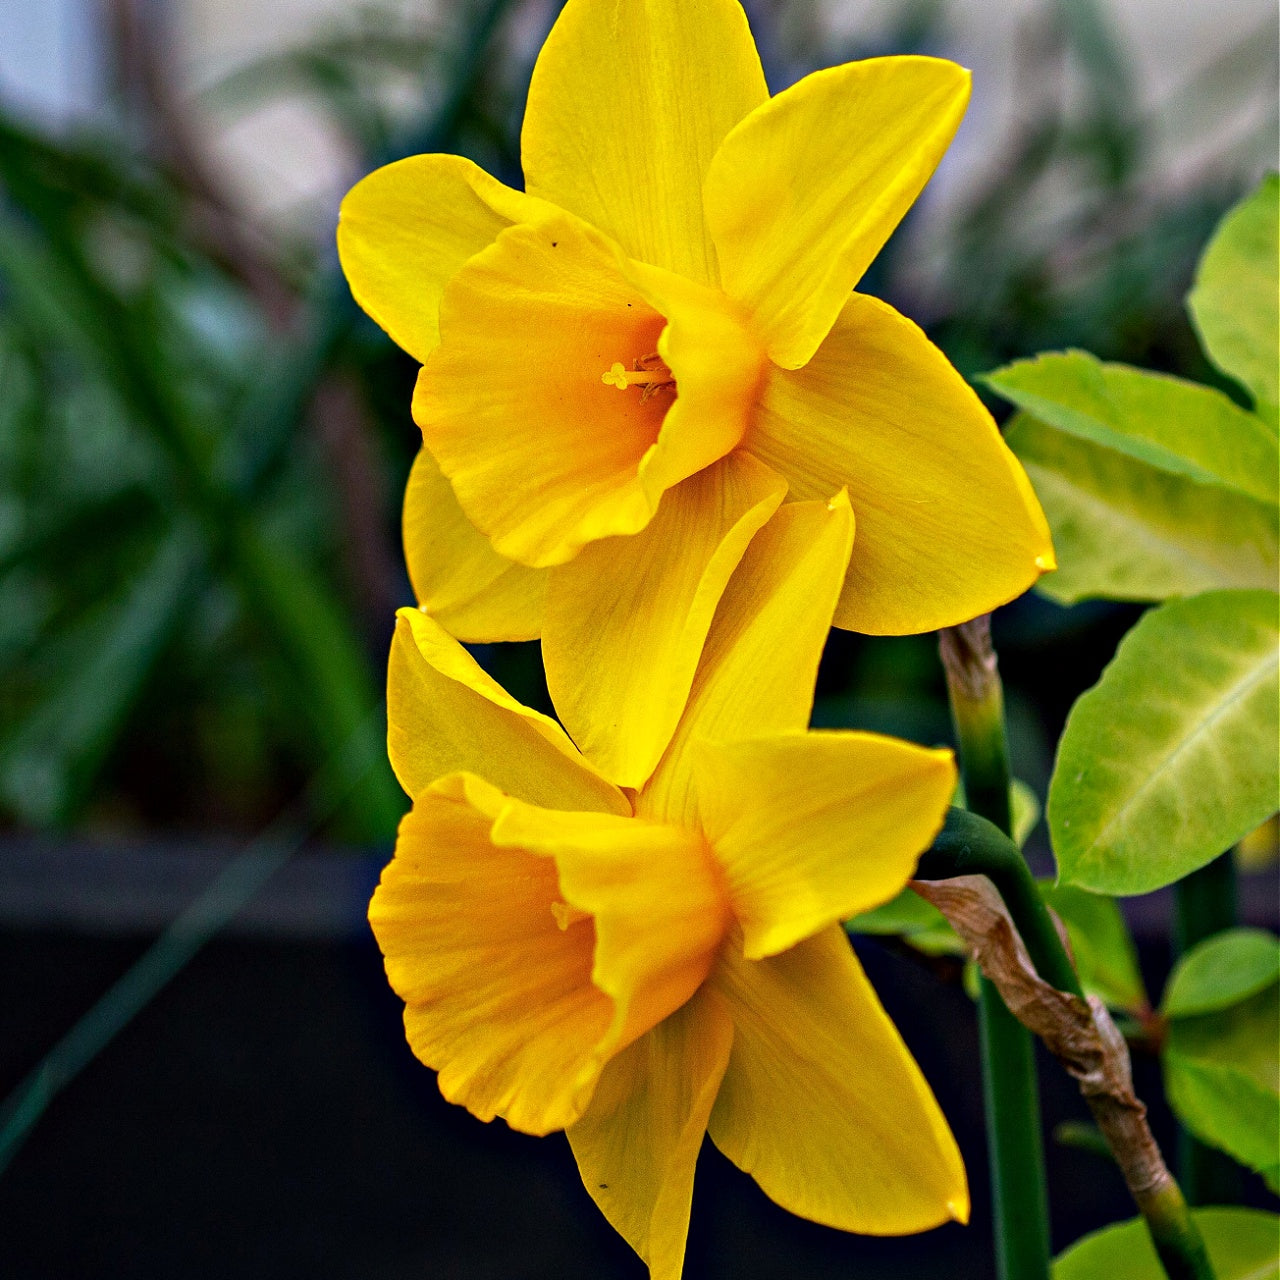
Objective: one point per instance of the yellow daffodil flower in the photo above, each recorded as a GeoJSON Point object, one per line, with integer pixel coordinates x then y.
{"type": "Point", "coordinates": [628, 366]}
{"type": "Point", "coordinates": [642, 967]}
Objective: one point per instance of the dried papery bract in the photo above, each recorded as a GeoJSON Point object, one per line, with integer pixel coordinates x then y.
{"type": "Point", "coordinates": [1083, 1037]}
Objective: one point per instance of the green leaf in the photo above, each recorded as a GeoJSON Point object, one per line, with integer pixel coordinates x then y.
{"type": "Point", "coordinates": [1244, 1036]}
{"type": "Point", "coordinates": [1228, 1109]}
{"type": "Point", "coordinates": [324, 665]}
{"type": "Point", "coordinates": [1222, 1077]}
{"type": "Point", "coordinates": [906, 913]}
{"type": "Point", "coordinates": [48, 758]}
{"type": "Point", "coordinates": [1171, 757]}
{"type": "Point", "coordinates": [330, 673]}
{"type": "Point", "coordinates": [1097, 43]}
{"type": "Point", "coordinates": [917, 922]}
{"type": "Point", "coordinates": [1126, 530]}
{"type": "Point", "coordinates": [1222, 1052]}
{"type": "Point", "coordinates": [1242, 1243]}
{"type": "Point", "coordinates": [1172, 425]}
{"type": "Point", "coordinates": [1105, 955]}
{"type": "Point", "coordinates": [1234, 302]}
{"type": "Point", "coordinates": [1024, 807]}
{"type": "Point", "coordinates": [1080, 1135]}
{"type": "Point", "coordinates": [1222, 971]}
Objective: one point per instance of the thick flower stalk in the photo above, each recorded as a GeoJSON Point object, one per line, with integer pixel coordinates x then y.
{"type": "Point", "coordinates": [642, 967]}
{"type": "Point", "coordinates": [629, 366]}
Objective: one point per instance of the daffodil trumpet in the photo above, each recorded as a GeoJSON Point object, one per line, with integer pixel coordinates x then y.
{"type": "Point", "coordinates": [629, 365]}
{"type": "Point", "coordinates": [642, 967]}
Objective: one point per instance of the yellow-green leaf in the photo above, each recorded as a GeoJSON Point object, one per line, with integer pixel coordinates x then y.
{"type": "Point", "coordinates": [1126, 530]}
{"type": "Point", "coordinates": [1221, 971]}
{"type": "Point", "coordinates": [1165, 422]}
{"type": "Point", "coordinates": [1243, 1244]}
{"type": "Point", "coordinates": [1222, 1078]}
{"type": "Point", "coordinates": [1227, 1109]}
{"type": "Point", "coordinates": [1171, 758]}
{"type": "Point", "coordinates": [1235, 302]}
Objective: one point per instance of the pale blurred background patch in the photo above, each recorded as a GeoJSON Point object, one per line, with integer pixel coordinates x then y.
{"type": "Point", "coordinates": [1203, 75]}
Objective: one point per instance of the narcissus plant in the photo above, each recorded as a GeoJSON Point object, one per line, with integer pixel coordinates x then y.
{"type": "Point", "coordinates": [642, 967]}
{"type": "Point", "coordinates": [628, 366]}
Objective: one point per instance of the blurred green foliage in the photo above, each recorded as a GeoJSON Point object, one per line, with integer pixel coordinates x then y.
{"type": "Point", "coordinates": [203, 445]}
{"type": "Point", "coordinates": [181, 631]}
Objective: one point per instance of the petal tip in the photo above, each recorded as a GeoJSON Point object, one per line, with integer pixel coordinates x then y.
{"type": "Point", "coordinates": [944, 764]}
{"type": "Point", "coordinates": [958, 1208]}
{"type": "Point", "coordinates": [963, 76]}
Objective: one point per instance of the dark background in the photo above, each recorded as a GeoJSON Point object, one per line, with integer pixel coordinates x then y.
{"type": "Point", "coordinates": [264, 1117]}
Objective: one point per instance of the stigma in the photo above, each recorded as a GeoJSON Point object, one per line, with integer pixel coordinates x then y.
{"type": "Point", "coordinates": [650, 373]}
{"type": "Point", "coordinates": [567, 915]}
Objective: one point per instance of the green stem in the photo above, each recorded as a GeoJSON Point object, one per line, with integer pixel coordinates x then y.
{"type": "Point", "coordinates": [1205, 904]}
{"type": "Point", "coordinates": [1011, 1101]}
{"type": "Point", "coordinates": [969, 845]}
{"type": "Point", "coordinates": [1178, 1242]}
{"type": "Point", "coordinates": [1019, 1193]}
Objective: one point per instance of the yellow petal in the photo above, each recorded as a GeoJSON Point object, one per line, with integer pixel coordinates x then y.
{"type": "Point", "coordinates": [446, 715]}
{"type": "Point", "coordinates": [628, 102]}
{"type": "Point", "coordinates": [405, 229]}
{"type": "Point", "coordinates": [718, 366]}
{"type": "Point", "coordinates": [637, 1143]}
{"type": "Point", "coordinates": [457, 576]}
{"type": "Point", "coordinates": [498, 996]}
{"type": "Point", "coordinates": [655, 895]}
{"type": "Point", "coordinates": [543, 455]}
{"type": "Point", "coordinates": [948, 526]}
{"type": "Point", "coordinates": [811, 828]}
{"type": "Point", "coordinates": [760, 659]}
{"type": "Point", "coordinates": [627, 618]}
{"type": "Point", "coordinates": [805, 191]}
{"type": "Point", "coordinates": [823, 1104]}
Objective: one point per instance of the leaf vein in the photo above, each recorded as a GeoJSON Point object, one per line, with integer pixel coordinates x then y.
{"type": "Point", "coordinates": [1235, 693]}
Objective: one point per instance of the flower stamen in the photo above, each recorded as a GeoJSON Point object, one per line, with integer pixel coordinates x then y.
{"type": "Point", "coordinates": [648, 372]}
